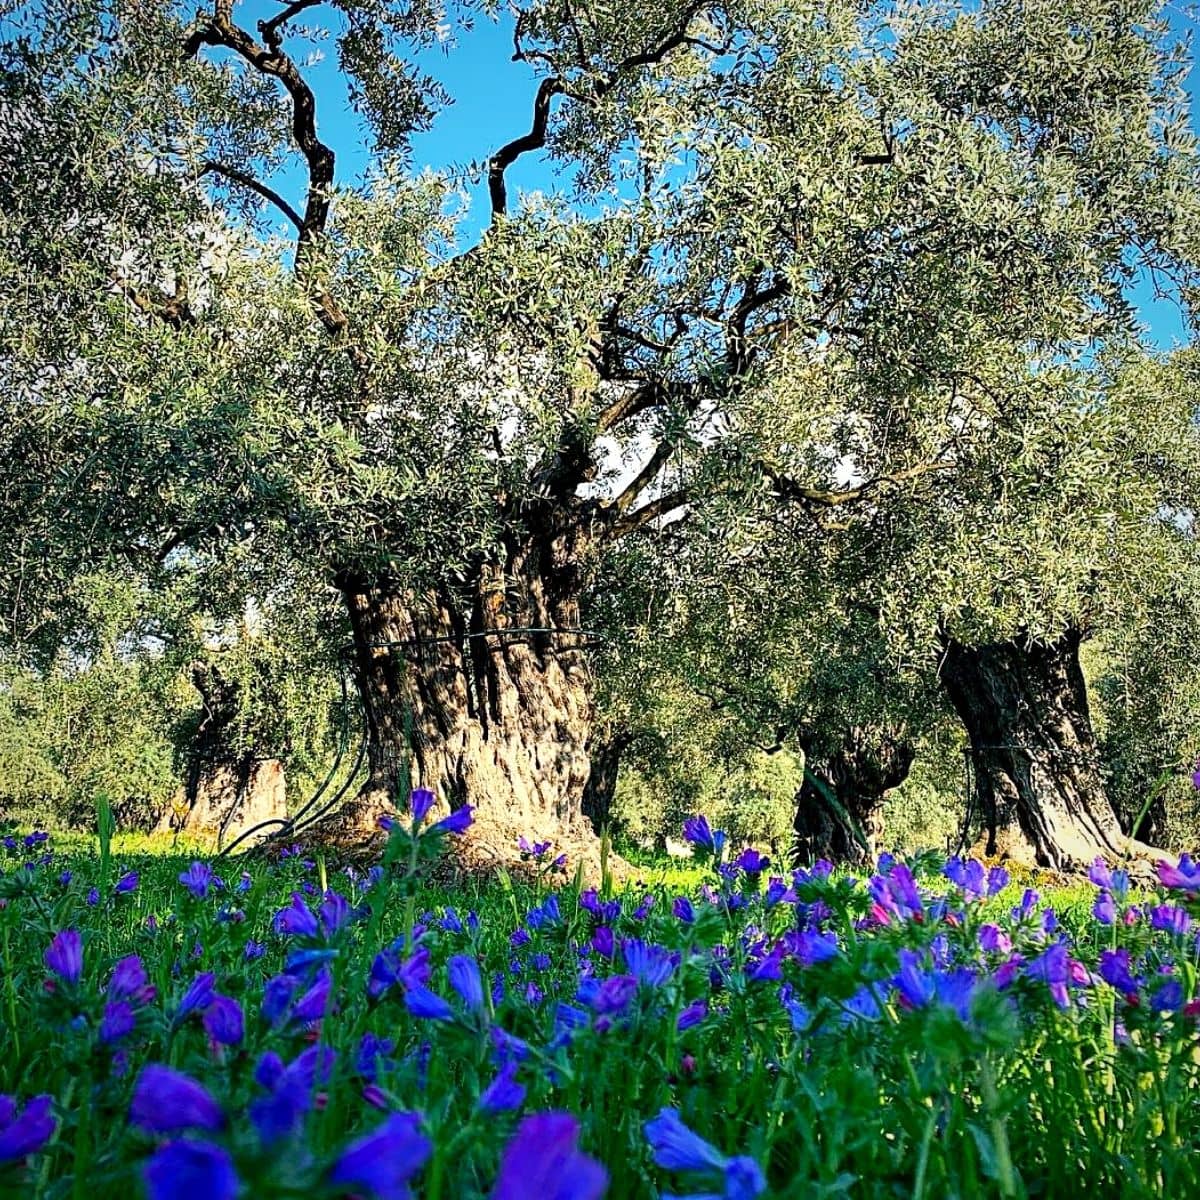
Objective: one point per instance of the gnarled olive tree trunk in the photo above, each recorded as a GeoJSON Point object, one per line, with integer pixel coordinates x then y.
{"type": "Point", "coordinates": [482, 693]}
{"type": "Point", "coordinates": [604, 753]}
{"type": "Point", "coordinates": [856, 776]}
{"type": "Point", "coordinates": [227, 790]}
{"type": "Point", "coordinates": [1033, 750]}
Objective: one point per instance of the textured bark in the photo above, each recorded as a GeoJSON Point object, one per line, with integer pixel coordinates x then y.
{"type": "Point", "coordinates": [1033, 750]}
{"type": "Point", "coordinates": [605, 756]}
{"type": "Point", "coordinates": [466, 694]}
{"type": "Point", "coordinates": [226, 791]}
{"type": "Point", "coordinates": [859, 773]}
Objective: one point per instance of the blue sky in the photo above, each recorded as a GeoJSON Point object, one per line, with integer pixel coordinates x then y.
{"type": "Point", "coordinates": [493, 99]}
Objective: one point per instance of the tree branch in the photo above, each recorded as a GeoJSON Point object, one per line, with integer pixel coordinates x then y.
{"type": "Point", "coordinates": [221, 31]}
{"type": "Point", "coordinates": [553, 86]}
{"type": "Point", "coordinates": [790, 490]}
{"type": "Point", "coordinates": [246, 180]}
{"type": "Point", "coordinates": [638, 484]}
{"type": "Point", "coordinates": [270, 29]}
{"type": "Point", "coordinates": [652, 510]}
{"type": "Point", "coordinates": [508, 154]}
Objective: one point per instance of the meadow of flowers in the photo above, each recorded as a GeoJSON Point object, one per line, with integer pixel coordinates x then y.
{"type": "Point", "coordinates": [204, 1032]}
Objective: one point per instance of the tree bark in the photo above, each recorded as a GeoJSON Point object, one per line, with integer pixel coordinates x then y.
{"type": "Point", "coordinates": [858, 774]}
{"type": "Point", "coordinates": [1033, 750]}
{"type": "Point", "coordinates": [605, 755]}
{"type": "Point", "coordinates": [226, 791]}
{"type": "Point", "coordinates": [482, 694]}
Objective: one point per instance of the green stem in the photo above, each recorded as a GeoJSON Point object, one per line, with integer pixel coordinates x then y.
{"type": "Point", "coordinates": [9, 976]}
{"type": "Point", "coordinates": [923, 1156]}
{"type": "Point", "coordinates": [991, 1100]}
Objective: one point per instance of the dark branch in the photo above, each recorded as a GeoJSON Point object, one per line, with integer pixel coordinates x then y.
{"type": "Point", "coordinates": [221, 31]}
{"type": "Point", "coordinates": [508, 154]}
{"type": "Point", "coordinates": [270, 29]}
{"type": "Point", "coordinates": [652, 510]}
{"type": "Point", "coordinates": [642, 480]}
{"type": "Point", "coordinates": [789, 490]}
{"type": "Point", "coordinates": [171, 310]}
{"type": "Point", "coordinates": [247, 180]}
{"type": "Point", "coordinates": [535, 139]}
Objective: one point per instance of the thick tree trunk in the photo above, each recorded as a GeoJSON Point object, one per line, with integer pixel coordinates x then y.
{"type": "Point", "coordinates": [605, 755]}
{"type": "Point", "coordinates": [857, 775]}
{"type": "Point", "coordinates": [483, 695]}
{"type": "Point", "coordinates": [226, 791]}
{"type": "Point", "coordinates": [1033, 751]}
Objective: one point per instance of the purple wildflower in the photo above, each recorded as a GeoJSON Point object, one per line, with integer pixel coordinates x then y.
{"type": "Point", "coordinates": [25, 1133]}
{"type": "Point", "coordinates": [751, 861]}
{"type": "Point", "coordinates": [614, 994]}
{"type": "Point", "coordinates": [277, 996]}
{"type": "Point", "coordinates": [1115, 971]}
{"type": "Point", "coordinates": [692, 1015]}
{"type": "Point", "coordinates": [64, 956]}
{"type": "Point", "coordinates": [128, 981]}
{"type": "Point", "coordinates": [165, 1101]}
{"type": "Point", "coordinates": [336, 913]}
{"type": "Point", "coordinates": [1052, 966]}
{"type": "Point", "coordinates": [188, 1170]}
{"type": "Point", "coordinates": [199, 879]}
{"type": "Point", "coordinates": [1185, 875]}
{"type": "Point", "coordinates": [296, 919]}
{"type": "Point", "coordinates": [279, 1114]}
{"type": "Point", "coordinates": [312, 1005]}
{"type": "Point", "coordinates": [382, 1163]}
{"type": "Point", "coordinates": [126, 884]}
{"type": "Point", "coordinates": [224, 1021]}
{"type": "Point", "coordinates": [543, 1160]}
{"type": "Point", "coordinates": [198, 996]}
{"type": "Point", "coordinates": [421, 802]}
{"type": "Point", "coordinates": [1168, 997]}
{"type": "Point", "coordinates": [504, 1093]}
{"type": "Point", "coordinates": [117, 1023]}
{"type": "Point", "coordinates": [374, 1054]}
{"type": "Point", "coordinates": [459, 821]}
{"type": "Point", "coordinates": [1171, 918]}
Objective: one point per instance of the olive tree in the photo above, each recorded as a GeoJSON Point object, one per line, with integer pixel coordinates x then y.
{"type": "Point", "coordinates": [783, 238]}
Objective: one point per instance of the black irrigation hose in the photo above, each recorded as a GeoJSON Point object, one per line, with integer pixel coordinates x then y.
{"type": "Point", "coordinates": [289, 824]}
{"type": "Point", "coordinates": [589, 636]}
{"type": "Point", "coordinates": [344, 741]}
{"type": "Point", "coordinates": [300, 826]}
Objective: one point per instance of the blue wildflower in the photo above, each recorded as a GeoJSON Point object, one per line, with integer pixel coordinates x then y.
{"type": "Point", "coordinates": [190, 1170]}
{"type": "Point", "coordinates": [26, 1132]}
{"type": "Point", "coordinates": [166, 1101]}
{"type": "Point", "coordinates": [465, 979]}
{"type": "Point", "coordinates": [544, 1160]}
{"type": "Point", "coordinates": [427, 1005]}
{"type": "Point", "coordinates": [383, 1162]}
{"type": "Point", "coordinates": [649, 964]}
{"type": "Point", "coordinates": [677, 1148]}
